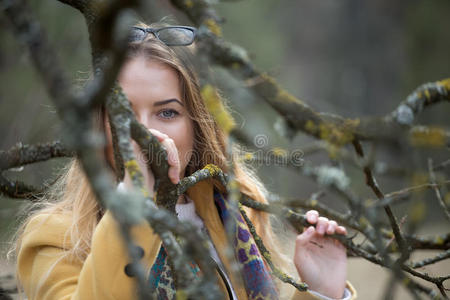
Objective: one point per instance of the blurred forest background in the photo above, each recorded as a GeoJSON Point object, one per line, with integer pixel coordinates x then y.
{"type": "Point", "coordinates": [352, 58]}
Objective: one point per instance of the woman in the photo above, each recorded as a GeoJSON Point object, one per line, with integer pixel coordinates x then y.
{"type": "Point", "coordinates": [71, 249]}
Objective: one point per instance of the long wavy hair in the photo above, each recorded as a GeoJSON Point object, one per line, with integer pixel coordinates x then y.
{"type": "Point", "coordinates": [72, 193]}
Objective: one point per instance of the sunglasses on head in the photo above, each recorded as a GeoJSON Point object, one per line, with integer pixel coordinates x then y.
{"type": "Point", "coordinates": [169, 35]}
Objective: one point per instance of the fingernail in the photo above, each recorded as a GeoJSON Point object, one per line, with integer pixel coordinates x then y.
{"type": "Point", "coordinates": [310, 229]}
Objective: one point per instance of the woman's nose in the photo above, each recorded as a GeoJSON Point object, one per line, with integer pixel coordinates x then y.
{"type": "Point", "coordinates": [144, 119]}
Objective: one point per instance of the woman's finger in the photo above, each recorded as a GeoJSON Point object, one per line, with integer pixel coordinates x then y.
{"type": "Point", "coordinates": [322, 225]}
{"type": "Point", "coordinates": [312, 216]}
{"type": "Point", "coordinates": [304, 238]}
{"type": "Point", "coordinates": [173, 160]}
{"type": "Point", "coordinates": [332, 225]}
{"type": "Point", "coordinates": [158, 134]}
{"type": "Point", "coordinates": [172, 154]}
{"type": "Point", "coordinates": [341, 230]}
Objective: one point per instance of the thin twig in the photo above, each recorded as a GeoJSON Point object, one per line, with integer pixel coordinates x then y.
{"type": "Point", "coordinates": [432, 260]}
{"type": "Point", "coordinates": [437, 191]}
{"type": "Point", "coordinates": [372, 183]}
{"type": "Point", "coordinates": [266, 254]}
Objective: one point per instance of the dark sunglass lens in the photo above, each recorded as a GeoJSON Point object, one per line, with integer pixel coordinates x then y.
{"type": "Point", "coordinates": [176, 36]}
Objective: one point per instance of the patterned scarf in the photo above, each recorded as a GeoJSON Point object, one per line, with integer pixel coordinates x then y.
{"type": "Point", "coordinates": [257, 279]}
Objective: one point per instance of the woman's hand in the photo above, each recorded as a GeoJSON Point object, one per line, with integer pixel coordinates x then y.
{"type": "Point", "coordinates": [321, 261]}
{"type": "Point", "coordinates": [172, 154]}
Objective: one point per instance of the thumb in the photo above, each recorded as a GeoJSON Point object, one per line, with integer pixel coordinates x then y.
{"type": "Point", "coordinates": [304, 238]}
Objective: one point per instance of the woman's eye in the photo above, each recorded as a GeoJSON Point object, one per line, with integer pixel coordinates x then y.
{"type": "Point", "coordinates": [168, 113]}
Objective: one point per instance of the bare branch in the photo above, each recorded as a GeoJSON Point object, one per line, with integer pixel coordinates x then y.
{"type": "Point", "coordinates": [209, 171]}
{"type": "Point", "coordinates": [266, 254]}
{"type": "Point", "coordinates": [425, 95]}
{"type": "Point", "coordinates": [437, 191]}
{"type": "Point", "coordinates": [428, 261]}
{"type": "Point", "coordinates": [371, 182]}
{"type": "Point", "coordinates": [441, 241]}
{"type": "Point", "coordinates": [27, 154]}
{"type": "Point", "coordinates": [17, 189]}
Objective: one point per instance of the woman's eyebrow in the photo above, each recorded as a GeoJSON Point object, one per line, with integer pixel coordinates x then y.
{"type": "Point", "coordinates": [159, 103]}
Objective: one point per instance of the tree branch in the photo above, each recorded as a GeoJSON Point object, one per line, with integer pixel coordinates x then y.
{"type": "Point", "coordinates": [428, 261]}
{"type": "Point", "coordinates": [436, 190]}
{"type": "Point", "coordinates": [17, 189]}
{"type": "Point", "coordinates": [266, 254]}
{"type": "Point", "coordinates": [20, 155]}
{"type": "Point", "coordinates": [299, 115]}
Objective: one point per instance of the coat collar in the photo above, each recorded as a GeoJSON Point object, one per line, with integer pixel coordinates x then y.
{"type": "Point", "coordinates": [203, 196]}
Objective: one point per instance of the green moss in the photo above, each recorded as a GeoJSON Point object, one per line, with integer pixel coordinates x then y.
{"type": "Point", "coordinates": [433, 137]}
{"type": "Point", "coordinates": [333, 151]}
{"type": "Point", "coordinates": [390, 234]}
{"type": "Point", "coordinates": [279, 93]}
{"type": "Point", "coordinates": [363, 221]}
{"type": "Point", "coordinates": [213, 26]}
{"type": "Point", "coordinates": [439, 240]}
{"type": "Point", "coordinates": [427, 94]}
{"type": "Point", "coordinates": [394, 247]}
{"type": "Point", "coordinates": [284, 96]}
{"type": "Point", "coordinates": [446, 84]}
{"type": "Point", "coordinates": [189, 3]}
{"type": "Point", "coordinates": [277, 151]}
{"type": "Point", "coordinates": [235, 65]}
{"type": "Point", "coordinates": [311, 127]}
{"type": "Point", "coordinates": [336, 134]}
{"type": "Point", "coordinates": [406, 281]}
{"type": "Point", "coordinates": [145, 193]}
{"type": "Point", "coordinates": [234, 185]}
{"type": "Point", "coordinates": [216, 108]}
{"type": "Point", "coordinates": [248, 156]}
{"type": "Point", "coordinates": [447, 199]}
{"type": "Point", "coordinates": [213, 169]}
{"type": "Point", "coordinates": [132, 167]}
{"type": "Point", "coordinates": [267, 256]}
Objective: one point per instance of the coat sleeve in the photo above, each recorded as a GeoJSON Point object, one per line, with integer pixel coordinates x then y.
{"type": "Point", "coordinates": [46, 272]}
{"type": "Point", "coordinates": [310, 296]}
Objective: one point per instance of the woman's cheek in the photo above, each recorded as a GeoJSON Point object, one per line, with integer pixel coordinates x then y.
{"type": "Point", "coordinates": [185, 145]}
{"type": "Point", "coordinates": [185, 152]}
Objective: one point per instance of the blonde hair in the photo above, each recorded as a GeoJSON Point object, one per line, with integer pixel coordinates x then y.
{"type": "Point", "coordinates": [72, 194]}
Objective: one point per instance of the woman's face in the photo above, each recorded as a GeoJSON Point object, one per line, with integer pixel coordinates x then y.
{"type": "Point", "coordinates": [154, 91]}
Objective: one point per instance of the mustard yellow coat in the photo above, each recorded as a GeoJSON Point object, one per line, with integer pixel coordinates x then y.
{"type": "Point", "coordinates": [46, 275]}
